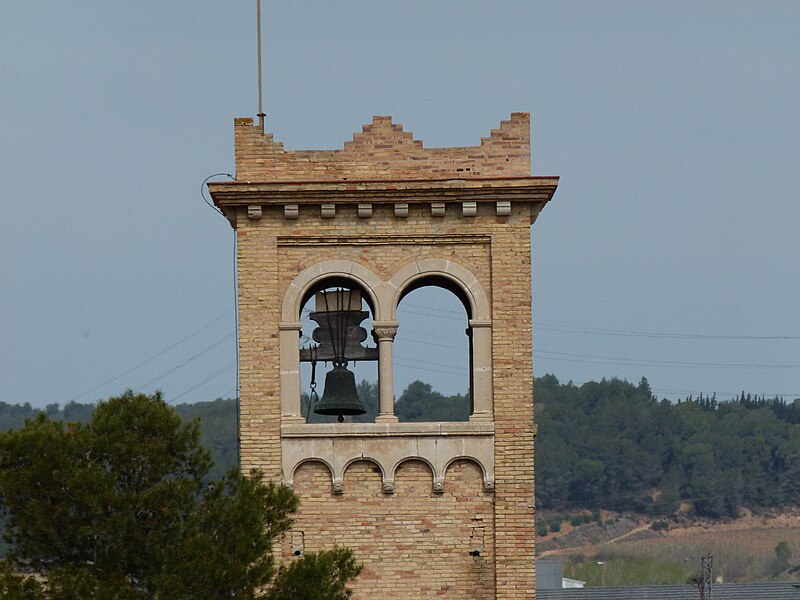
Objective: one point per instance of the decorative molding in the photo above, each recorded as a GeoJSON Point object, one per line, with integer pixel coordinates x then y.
{"type": "Point", "coordinates": [503, 208]}
{"type": "Point", "coordinates": [475, 323]}
{"type": "Point", "coordinates": [437, 448]}
{"type": "Point", "coordinates": [401, 210]}
{"type": "Point", "coordinates": [469, 209]}
{"type": "Point", "coordinates": [386, 240]}
{"type": "Point", "coordinates": [254, 211]}
{"type": "Point", "coordinates": [291, 211]}
{"type": "Point", "coordinates": [384, 332]}
{"type": "Point", "coordinates": [437, 209]}
{"type": "Point", "coordinates": [327, 210]}
{"type": "Point", "coordinates": [536, 208]}
{"type": "Point", "coordinates": [364, 211]}
{"type": "Point", "coordinates": [488, 486]}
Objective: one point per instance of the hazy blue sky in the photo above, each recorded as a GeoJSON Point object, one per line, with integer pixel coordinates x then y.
{"type": "Point", "coordinates": [670, 250]}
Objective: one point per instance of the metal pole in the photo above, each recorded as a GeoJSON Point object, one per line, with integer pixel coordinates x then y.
{"type": "Point", "coordinates": [708, 567]}
{"type": "Point", "coordinates": [261, 114]}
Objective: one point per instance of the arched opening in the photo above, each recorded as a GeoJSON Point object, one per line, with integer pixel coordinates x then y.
{"type": "Point", "coordinates": [432, 353]}
{"type": "Point", "coordinates": [336, 320]}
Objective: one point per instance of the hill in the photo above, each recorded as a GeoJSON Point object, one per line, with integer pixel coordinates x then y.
{"type": "Point", "coordinates": [632, 550]}
{"type": "Point", "coordinates": [607, 445]}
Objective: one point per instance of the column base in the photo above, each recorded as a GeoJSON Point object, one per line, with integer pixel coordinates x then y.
{"type": "Point", "coordinates": [386, 418]}
{"type": "Point", "coordinates": [481, 417]}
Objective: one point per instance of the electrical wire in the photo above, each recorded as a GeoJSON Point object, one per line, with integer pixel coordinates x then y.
{"type": "Point", "coordinates": [152, 358]}
{"type": "Point", "coordinates": [417, 367]}
{"type": "Point", "coordinates": [203, 190]}
{"type": "Point", "coordinates": [211, 377]}
{"type": "Point", "coordinates": [186, 362]}
{"type": "Point", "coordinates": [236, 346]}
{"type": "Point", "coordinates": [661, 363]}
{"type": "Point", "coordinates": [653, 334]}
{"type": "Point", "coordinates": [431, 312]}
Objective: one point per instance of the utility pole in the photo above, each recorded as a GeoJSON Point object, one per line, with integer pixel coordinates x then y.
{"type": "Point", "coordinates": [703, 582]}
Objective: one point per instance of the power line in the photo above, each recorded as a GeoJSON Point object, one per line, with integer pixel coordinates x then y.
{"type": "Point", "coordinates": [211, 377]}
{"type": "Point", "coordinates": [416, 340]}
{"type": "Point", "coordinates": [153, 357]}
{"type": "Point", "coordinates": [183, 364]}
{"type": "Point", "coordinates": [431, 312]}
{"type": "Point", "coordinates": [613, 360]}
{"type": "Point", "coordinates": [426, 365]}
{"type": "Point", "coordinates": [654, 334]}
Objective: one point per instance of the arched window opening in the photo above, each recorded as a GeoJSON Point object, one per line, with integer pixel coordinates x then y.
{"type": "Point", "coordinates": [338, 361]}
{"type": "Point", "coordinates": [432, 353]}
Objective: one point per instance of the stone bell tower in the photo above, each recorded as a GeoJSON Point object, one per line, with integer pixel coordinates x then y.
{"type": "Point", "coordinates": [431, 509]}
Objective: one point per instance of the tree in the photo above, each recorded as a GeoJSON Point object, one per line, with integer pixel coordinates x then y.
{"type": "Point", "coordinates": [120, 508]}
{"type": "Point", "coordinates": [419, 402]}
{"type": "Point", "coordinates": [783, 553]}
{"type": "Point", "coordinates": [301, 580]}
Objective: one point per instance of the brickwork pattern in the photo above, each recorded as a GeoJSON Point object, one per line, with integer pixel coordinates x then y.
{"type": "Point", "coordinates": [413, 543]}
{"type": "Point", "coordinates": [259, 404]}
{"type": "Point", "coordinates": [384, 151]}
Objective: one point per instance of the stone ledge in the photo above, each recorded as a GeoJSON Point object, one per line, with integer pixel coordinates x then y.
{"type": "Point", "coordinates": [323, 430]}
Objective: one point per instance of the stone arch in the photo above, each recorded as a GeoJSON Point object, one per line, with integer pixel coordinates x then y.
{"type": "Point", "coordinates": [471, 459]}
{"type": "Point", "coordinates": [487, 480]}
{"type": "Point", "coordinates": [457, 278]}
{"type": "Point", "coordinates": [366, 459]}
{"type": "Point", "coordinates": [362, 478]}
{"type": "Point", "coordinates": [410, 458]}
{"type": "Point", "coordinates": [297, 292]}
{"type": "Point", "coordinates": [465, 285]}
{"type": "Point", "coordinates": [306, 461]}
{"type": "Point", "coordinates": [425, 483]}
{"type": "Point", "coordinates": [336, 270]}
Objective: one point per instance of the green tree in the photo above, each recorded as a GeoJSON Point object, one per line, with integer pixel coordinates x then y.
{"type": "Point", "coordinates": [419, 402]}
{"type": "Point", "coordinates": [120, 508]}
{"type": "Point", "coordinates": [783, 554]}
{"type": "Point", "coordinates": [320, 576]}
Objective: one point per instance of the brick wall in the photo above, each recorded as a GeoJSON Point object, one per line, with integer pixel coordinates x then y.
{"type": "Point", "coordinates": [413, 543]}
{"type": "Point", "coordinates": [384, 151]}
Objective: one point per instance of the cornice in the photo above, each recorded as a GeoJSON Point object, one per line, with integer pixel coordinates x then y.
{"type": "Point", "coordinates": [516, 189]}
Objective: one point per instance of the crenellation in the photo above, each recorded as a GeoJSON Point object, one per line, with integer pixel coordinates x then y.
{"type": "Point", "coordinates": [383, 150]}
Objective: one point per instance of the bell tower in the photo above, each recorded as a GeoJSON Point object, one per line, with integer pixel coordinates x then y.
{"type": "Point", "coordinates": [432, 509]}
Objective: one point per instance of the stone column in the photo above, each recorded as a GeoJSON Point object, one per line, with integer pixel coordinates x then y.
{"type": "Point", "coordinates": [384, 334]}
{"type": "Point", "coordinates": [482, 391]}
{"type": "Point", "coordinates": [290, 372]}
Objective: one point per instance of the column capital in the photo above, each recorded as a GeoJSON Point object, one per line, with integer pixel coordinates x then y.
{"type": "Point", "coordinates": [476, 323]}
{"type": "Point", "coordinates": [384, 330]}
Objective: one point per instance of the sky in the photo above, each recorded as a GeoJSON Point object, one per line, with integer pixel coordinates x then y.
{"type": "Point", "coordinates": [670, 250]}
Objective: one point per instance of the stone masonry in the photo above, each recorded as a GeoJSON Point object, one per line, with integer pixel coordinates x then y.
{"type": "Point", "coordinates": [431, 509]}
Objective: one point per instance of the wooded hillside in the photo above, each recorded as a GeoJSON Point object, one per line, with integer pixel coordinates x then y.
{"type": "Point", "coordinates": [602, 445]}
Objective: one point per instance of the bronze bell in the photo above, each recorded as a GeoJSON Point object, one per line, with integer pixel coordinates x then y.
{"type": "Point", "coordinates": [340, 396]}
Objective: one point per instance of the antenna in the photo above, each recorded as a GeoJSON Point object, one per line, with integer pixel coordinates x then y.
{"type": "Point", "coordinates": [261, 114]}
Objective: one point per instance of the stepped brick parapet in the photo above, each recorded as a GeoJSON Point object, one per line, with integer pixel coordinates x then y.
{"type": "Point", "coordinates": [384, 151]}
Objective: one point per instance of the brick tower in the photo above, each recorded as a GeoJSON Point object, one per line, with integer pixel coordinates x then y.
{"type": "Point", "coordinates": [431, 509]}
